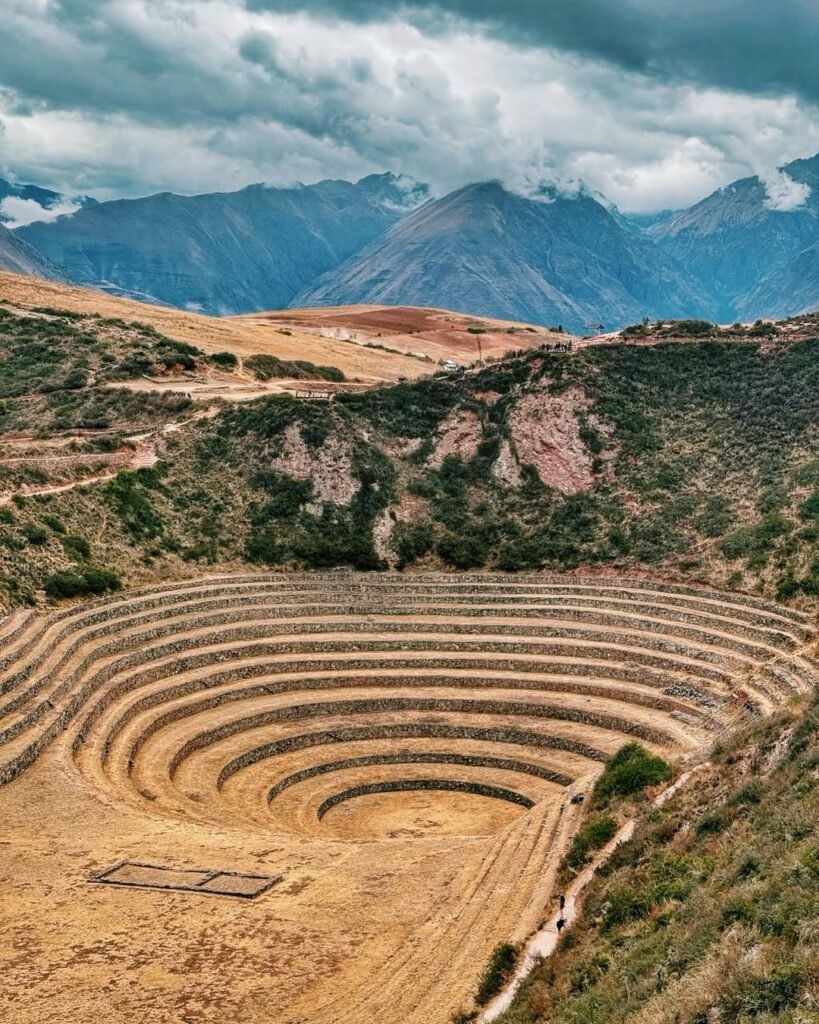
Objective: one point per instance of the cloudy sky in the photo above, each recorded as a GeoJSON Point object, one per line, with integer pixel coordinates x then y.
{"type": "Point", "coordinates": [652, 102]}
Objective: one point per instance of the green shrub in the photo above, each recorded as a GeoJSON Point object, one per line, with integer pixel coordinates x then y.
{"type": "Point", "coordinates": [77, 548]}
{"type": "Point", "coordinates": [737, 909]}
{"type": "Point", "coordinates": [716, 516]}
{"type": "Point", "coordinates": [626, 903]}
{"type": "Point", "coordinates": [787, 586]}
{"type": "Point", "coordinates": [128, 495]}
{"type": "Point", "coordinates": [712, 823]}
{"type": "Point", "coordinates": [405, 410]}
{"type": "Point", "coordinates": [760, 996]}
{"type": "Point", "coordinates": [35, 534]}
{"type": "Point", "coordinates": [286, 495]}
{"type": "Point", "coordinates": [501, 964]}
{"type": "Point", "coordinates": [84, 583]}
{"type": "Point", "coordinates": [594, 834]}
{"type": "Point", "coordinates": [763, 329]}
{"type": "Point", "coordinates": [629, 771]}
{"type": "Point", "coordinates": [224, 360]}
{"type": "Point", "coordinates": [759, 539]}
{"type": "Point", "coordinates": [462, 552]}
{"type": "Point", "coordinates": [636, 331]}
{"type": "Point", "coordinates": [412, 541]}
{"type": "Point", "coordinates": [691, 329]}
{"type": "Point", "coordinates": [809, 509]}
{"type": "Point", "coordinates": [266, 367]}
{"type": "Point", "coordinates": [263, 546]}
{"type": "Point", "coordinates": [588, 972]}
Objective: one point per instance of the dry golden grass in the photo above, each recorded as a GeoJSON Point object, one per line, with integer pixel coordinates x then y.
{"type": "Point", "coordinates": [215, 334]}
{"type": "Point", "coordinates": [383, 343]}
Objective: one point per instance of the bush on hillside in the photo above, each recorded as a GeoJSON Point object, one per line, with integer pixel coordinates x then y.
{"type": "Point", "coordinates": [224, 360]}
{"type": "Point", "coordinates": [35, 534]}
{"type": "Point", "coordinates": [500, 966]}
{"type": "Point", "coordinates": [77, 548]}
{"type": "Point", "coordinates": [691, 329]}
{"type": "Point", "coordinates": [85, 583]}
{"type": "Point", "coordinates": [628, 772]}
{"type": "Point", "coordinates": [128, 494]}
{"type": "Point", "coordinates": [266, 367]}
{"type": "Point", "coordinates": [594, 834]}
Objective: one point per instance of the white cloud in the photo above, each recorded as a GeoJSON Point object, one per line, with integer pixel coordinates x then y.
{"type": "Point", "coordinates": [783, 193]}
{"type": "Point", "coordinates": [16, 212]}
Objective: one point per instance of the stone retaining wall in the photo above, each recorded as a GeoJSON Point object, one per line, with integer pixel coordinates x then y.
{"type": "Point", "coordinates": [403, 731]}
{"type": "Point", "coordinates": [301, 712]}
{"type": "Point", "coordinates": [406, 785]}
{"type": "Point", "coordinates": [422, 757]}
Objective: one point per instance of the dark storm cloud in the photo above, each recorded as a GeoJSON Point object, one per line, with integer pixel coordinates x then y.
{"type": "Point", "coordinates": [758, 46]}
{"type": "Point", "coordinates": [648, 105]}
{"type": "Point", "coordinates": [116, 67]}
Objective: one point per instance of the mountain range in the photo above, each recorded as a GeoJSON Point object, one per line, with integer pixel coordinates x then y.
{"type": "Point", "coordinates": [548, 259]}
{"type": "Point", "coordinates": [225, 252]}
{"type": "Point", "coordinates": [33, 196]}
{"type": "Point", "coordinates": [750, 249]}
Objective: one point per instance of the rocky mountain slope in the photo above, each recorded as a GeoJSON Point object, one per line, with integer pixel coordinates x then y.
{"type": "Point", "coordinates": [555, 259]}
{"type": "Point", "coordinates": [740, 241]}
{"type": "Point", "coordinates": [17, 256]}
{"type": "Point", "coordinates": [789, 289]}
{"type": "Point", "coordinates": [224, 252]}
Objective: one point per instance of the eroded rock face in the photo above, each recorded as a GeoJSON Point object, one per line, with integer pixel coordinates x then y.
{"type": "Point", "coordinates": [460, 433]}
{"type": "Point", "coordinates": [382, 537]}
{"type": "Point", "coordinates": [329, 467]}
{"type": "Point", "coordinates": [546, 434]}
{"type": "Point", "coordinates": [506, 468]}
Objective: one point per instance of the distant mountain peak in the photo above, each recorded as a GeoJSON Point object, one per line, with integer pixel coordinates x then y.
{"type": "Point", "coordinates": [552, 258]}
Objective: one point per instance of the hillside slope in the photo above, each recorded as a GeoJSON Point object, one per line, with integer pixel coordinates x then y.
{"type": "Point", "coordinates": [212, 334]}
{"type": "Point", "coordinates": [691, 461]}
{"type": "Point", "coordinates": [483, 250]}
{"type": "Point", "coordinates": [709, 913]}
{"type": "Point", "coordinates": [222, 252]}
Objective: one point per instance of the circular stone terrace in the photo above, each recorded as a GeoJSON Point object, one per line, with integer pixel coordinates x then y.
{"type": "Point", "coordinates": [402, 750]}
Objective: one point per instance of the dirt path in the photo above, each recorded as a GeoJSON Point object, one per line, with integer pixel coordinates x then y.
{"type": "Point", "coordinates": [143, 458]}
{"type": "Point", "coordinates": [140, 460]}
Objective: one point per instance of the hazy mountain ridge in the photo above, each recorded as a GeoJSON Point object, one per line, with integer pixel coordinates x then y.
{"type": "Point", "coordinates": [734, 240]}
{"type": "Point", "coordinates": [45, 198]}
{"type": "Point", "coordinates": [223, 252]}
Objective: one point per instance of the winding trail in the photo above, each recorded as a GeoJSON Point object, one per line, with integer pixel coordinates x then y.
{"type": "Point", "coordinates": [544, 942]}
